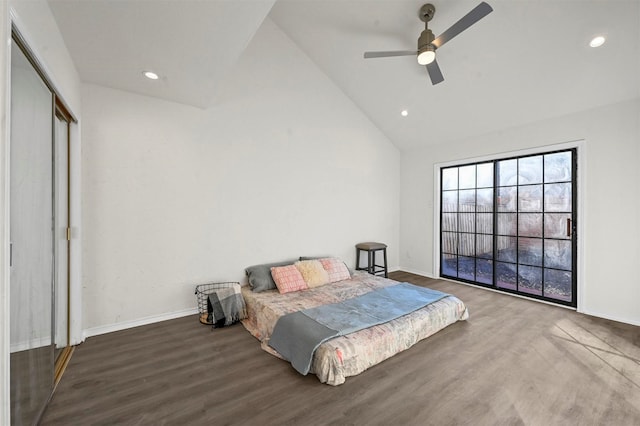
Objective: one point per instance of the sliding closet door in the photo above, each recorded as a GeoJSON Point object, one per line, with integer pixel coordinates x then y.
{"type": "Point", "coordinates": [32, 267]}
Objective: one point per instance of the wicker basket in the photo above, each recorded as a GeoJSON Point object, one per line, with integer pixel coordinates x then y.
{"type": "Point", "coordinates": [202, 295]}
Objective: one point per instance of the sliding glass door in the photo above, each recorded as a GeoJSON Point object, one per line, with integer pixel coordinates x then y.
{"type": "Point", "coordinates": [509, 224]}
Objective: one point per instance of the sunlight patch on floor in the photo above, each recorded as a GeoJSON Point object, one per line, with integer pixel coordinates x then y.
{"type": "Point", "coordinates": [626, 363]}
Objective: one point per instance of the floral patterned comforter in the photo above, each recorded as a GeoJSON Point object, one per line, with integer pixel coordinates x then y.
{"type": "Point", "coordinates": [352, 354]}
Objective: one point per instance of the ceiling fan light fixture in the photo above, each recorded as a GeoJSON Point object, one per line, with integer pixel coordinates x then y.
{"type": "Point", "coordinates": [150, 75]}
{"type": "Point", "coordinates": [427, 55]}
{"type": "Point", "coordinates": [597, 41]}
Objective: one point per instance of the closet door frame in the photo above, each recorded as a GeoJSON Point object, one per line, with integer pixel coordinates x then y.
{"type": "Point", "coordinates": [62, 358]}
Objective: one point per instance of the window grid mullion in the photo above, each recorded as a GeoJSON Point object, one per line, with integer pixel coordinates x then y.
{"type": "Point", "coordinates": [542, 209]}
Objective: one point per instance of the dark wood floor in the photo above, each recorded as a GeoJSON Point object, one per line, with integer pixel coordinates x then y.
{"type": "Point", "coordinates": [514, 362]}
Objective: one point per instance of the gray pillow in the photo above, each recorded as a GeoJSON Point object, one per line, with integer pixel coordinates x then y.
{"type": "Point", "coordinates": [312, 257]}
{"type": "Point", "coordinates": [260, 278]}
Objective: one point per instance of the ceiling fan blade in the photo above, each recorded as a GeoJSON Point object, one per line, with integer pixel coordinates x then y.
{"type": "Point", "coordinates": [368, 55]}
{"type": "Point", "coordinates": [434, 72]}
{"type": "Point", "coordinates": [476, 14]}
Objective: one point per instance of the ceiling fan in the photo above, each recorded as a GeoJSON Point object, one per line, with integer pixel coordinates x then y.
{"type": "Point", "coordinates": [428, 44]}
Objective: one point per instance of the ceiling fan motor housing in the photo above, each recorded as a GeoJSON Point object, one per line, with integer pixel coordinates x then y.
{"type": "Point", "coordinates": [425, 39]}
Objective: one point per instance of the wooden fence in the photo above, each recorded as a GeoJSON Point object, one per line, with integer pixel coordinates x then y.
{"type": "Point", "coordinates": [475, 235]}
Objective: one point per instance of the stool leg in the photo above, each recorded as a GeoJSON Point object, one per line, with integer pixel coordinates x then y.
{"type": "Point", "coordinates": [384, 251]}
{"type": "Point", "coordinates": [371, 262]}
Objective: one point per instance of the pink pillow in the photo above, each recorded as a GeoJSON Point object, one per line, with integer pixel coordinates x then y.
{"type": "Point", "coordinates": [288, 279]}
{"type": "Point", "coordinates": [336, 269]}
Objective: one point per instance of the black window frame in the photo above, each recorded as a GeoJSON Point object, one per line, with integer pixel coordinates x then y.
{"type": "Point", "coordinates": [495, 235]}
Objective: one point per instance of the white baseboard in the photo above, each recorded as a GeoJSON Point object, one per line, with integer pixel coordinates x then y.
{"type": "Point", "coordinates": [417, 272]}
{"type": "Point", "coordinates": [610, 317]}
{"type": "Point", "coordinates": [103, 329]}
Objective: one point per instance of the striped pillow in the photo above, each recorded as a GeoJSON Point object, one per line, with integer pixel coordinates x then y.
{"type": "Point", "coordinates": [288, 279]}
{"type": "Point", "coordinates": [336, 269]}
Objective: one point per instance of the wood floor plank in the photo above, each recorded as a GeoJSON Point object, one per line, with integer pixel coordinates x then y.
{"type": "Point", "coordinates": [514, 362]}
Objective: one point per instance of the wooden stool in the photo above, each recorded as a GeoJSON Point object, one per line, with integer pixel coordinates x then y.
{"type": "Point", "coordinates": [371, 249]}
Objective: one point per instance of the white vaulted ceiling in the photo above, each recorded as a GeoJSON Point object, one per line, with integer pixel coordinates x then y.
{"type": "Point", "coordinates": [191, 44]}
{"type": "Point", "coordinates": [526, 61]}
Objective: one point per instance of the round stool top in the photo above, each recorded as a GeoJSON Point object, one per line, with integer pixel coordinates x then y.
{"type": "Point", "coordinates": [371, 246]}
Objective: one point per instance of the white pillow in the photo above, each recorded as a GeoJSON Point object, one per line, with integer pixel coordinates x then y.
{"type": "Point", "coordinates": [312, 272]}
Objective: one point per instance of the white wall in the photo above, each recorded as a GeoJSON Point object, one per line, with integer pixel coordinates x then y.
{"type": "Point", "coordinates": [284, 165]}
{"type": "Point", "coordinates": [611, 204]}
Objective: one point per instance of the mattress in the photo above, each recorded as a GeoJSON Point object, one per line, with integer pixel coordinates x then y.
{"type": "Point", "coordinates": [349, 355]}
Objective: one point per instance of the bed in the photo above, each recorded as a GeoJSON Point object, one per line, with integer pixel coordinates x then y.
{"type": "Point", "coordinates": [349, 355]}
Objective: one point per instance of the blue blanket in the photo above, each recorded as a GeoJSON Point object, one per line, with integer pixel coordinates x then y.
{"type": "Point", "coordinates": [296, 336]}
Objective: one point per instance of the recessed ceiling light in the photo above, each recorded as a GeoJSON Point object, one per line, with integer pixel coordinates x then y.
{"type": "Point", "coordinates": [404, 113]}
{"type": "Point", "coordinates": [597, 41]}
{"type": "Point", "coordinates": [150, 75]}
